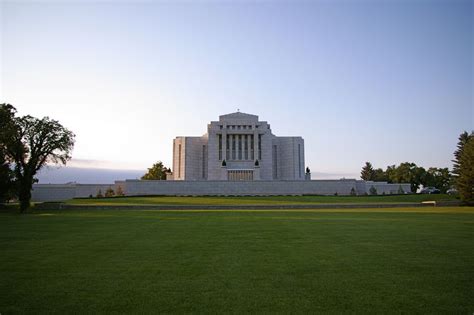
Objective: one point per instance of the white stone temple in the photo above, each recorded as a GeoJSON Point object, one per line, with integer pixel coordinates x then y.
{"type": "Point", "coordinates": [238, 156]}
{"type": "Point", "coordinates": [238, 147]}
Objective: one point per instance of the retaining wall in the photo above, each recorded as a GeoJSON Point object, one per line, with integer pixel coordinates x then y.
{"type": "Point", "coordinates": [48, 192]}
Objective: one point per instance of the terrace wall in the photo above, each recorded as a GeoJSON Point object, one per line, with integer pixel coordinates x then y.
{"type": "Point", "coordinates": [48, 192]}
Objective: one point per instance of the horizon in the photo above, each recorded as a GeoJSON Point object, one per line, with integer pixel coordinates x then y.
{"type": "Point", "coordinates": [384, 82]}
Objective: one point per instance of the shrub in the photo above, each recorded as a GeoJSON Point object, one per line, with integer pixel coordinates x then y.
{"type": "Point", "coordinates": [373, 190]}
{"type": "Point", "coordinates": [119, 191]}
{"type": "Point", "coordinates": [109, 192]}
{"type": "Point", "coordinates": [99, 194]}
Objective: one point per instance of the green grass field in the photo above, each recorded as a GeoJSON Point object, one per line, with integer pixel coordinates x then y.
{"type": "Point", "coordinates": [417, 260]}
{"type": "Point", "coordinates": [272, 200]}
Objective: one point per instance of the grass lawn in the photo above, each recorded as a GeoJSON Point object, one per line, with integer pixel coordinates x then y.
{"type": "Point", "coordinates": [272, 200]}
{"type": "Point", "coordinates": [418, 260]}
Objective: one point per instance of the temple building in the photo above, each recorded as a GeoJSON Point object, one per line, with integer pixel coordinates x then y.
{"type": "Point", "coordinates": [238, 147]}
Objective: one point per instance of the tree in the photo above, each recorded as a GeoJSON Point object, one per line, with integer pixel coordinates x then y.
{"type": "Point", "coordinates": [439, 178]}
{"type": "Point", "coordinates": [109, 192]}
{"type": "Point", "coordinates": [465, 179]}
{"type": "Point", "coordinates": [29, 143]}
{"type": "Point", "coordinates": [407, 173]}
{"type": "Point", "coordinates": [156, 172]}
{"type": "Point", "coordinates": [367, 172]}
{"type": "Point", "coordinates": [7, 131]}
{"type": "Point", "coordinates": [463, 139]}
{"type": "Point", "coordinates": [380, 175]}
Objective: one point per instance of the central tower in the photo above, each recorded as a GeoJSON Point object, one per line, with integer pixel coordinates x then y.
{"type": "Point", "coordinates": [238, 147]}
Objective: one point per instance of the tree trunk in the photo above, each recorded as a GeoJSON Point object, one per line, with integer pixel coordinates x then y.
{"type": "Point", "coordinates": [24, 194]}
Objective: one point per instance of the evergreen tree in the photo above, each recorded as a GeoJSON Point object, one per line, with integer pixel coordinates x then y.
{"type": "Point", "coordinates": [373, 190]}
{"type": "Point", "coordinates": [463, 138]}
{"type": "Point", "coordinates": [465, 179]}
{"type": "Point", "coordinates": [367, 172]}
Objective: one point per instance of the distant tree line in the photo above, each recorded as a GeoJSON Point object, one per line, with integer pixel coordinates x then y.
{"type": "Point", "coordinates": [409, 173]}
{"type": "Point", "coordinates": [462, 176]}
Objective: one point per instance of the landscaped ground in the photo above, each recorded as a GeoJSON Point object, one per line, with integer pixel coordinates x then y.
{"type": "Point", "coordinates": [273, 200]}
{"type": "Point", "coordinates": [417, 260]}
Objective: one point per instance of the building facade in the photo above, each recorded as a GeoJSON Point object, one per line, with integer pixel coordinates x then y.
{"type": "Point", "coordinates": [238, 147]}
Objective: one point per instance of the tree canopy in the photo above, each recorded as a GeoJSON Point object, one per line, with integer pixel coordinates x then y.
{"type": "Point", "coordinates": [29, 143]}
{"type": "Point", "coordinates": [156, 172]}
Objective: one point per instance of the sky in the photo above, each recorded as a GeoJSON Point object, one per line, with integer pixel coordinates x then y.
{"type": "Point", "coordinates": [384, 81]}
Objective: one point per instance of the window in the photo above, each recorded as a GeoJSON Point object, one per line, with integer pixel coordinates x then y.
{"type": "Point", "coordinates": [275, 161]}
{"type": "Point", "coordinates": [179, 161]}
{"type": "Point", "coordinates": [233, 147]}
{"type": "Point", "coordinates": [252, 147]}
{"type": "Point", "coordinates": [227, 148]}
{"type": "Point", "coordinates": [203, 161]}
{"type": "Point", "coordinates": [299, 158]}
{"type": "Point", "coordinates": [240, 147]}
{"type": "Point", "coordinates": [220, 147]}
{"type": "Point", "coordinates": [246, 147]}
{"type": "Point", "coordinates": [259, 147]}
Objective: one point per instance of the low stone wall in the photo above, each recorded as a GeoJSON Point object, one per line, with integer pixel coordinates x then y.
{"type": "Point", "coordinates": [258, 188]}
{"type": "Point", "coordinates": [60, 192]}
{"type": "Point", "coordinates": [50, 192]}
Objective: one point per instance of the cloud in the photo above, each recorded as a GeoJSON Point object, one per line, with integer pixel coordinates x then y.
{"type": "Point", "coordinates": [100, 164]}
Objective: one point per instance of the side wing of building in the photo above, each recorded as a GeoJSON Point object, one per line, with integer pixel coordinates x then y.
{"type": "Point", "coordinates": [190, 158]}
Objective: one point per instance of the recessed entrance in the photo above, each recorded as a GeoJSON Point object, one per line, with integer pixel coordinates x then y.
{"type": "Point", "coordinates": [237, 175]}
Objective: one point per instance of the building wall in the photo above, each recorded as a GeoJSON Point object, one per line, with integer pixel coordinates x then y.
{"type": "Point", "coordinates": [179, 151]}
{"type": "Point", "coordinates": [290, 158]}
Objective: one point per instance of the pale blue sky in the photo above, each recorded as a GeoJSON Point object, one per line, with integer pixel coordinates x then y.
{"type": "Point", "coordinates": [380, 81]}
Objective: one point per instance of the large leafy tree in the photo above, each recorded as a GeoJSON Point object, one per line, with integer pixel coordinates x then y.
{"type": "Point", "coordinates": [408, 173]}
{"type": "Point", "coordinates": [380, 175]}
{"type": "Point", "coordinates": [30, 143]}
{"type": "Point", "coordinates": [367, 172]}
{"type": "Point", "coordinates": [439, 178]}
{"type": "Point", "coordinates": [465, 168]}
{"type": "Point", "coordinates": [156, 172]}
